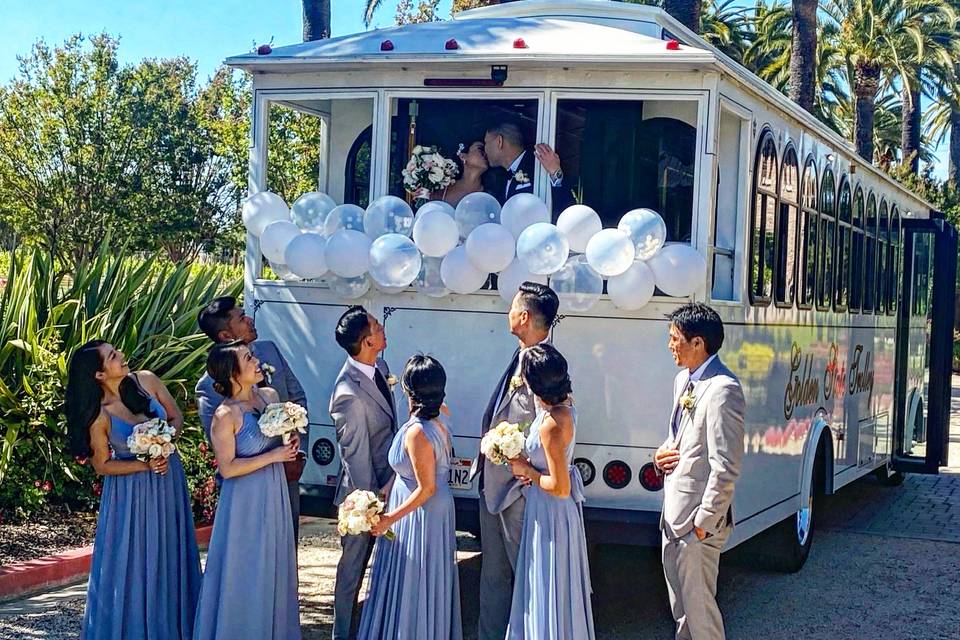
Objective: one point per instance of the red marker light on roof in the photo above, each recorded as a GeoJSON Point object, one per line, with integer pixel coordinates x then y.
{"type": "Point", "coordinates": [451, 44]}
{"type": "Point", "coordinates": [264, 50]}
{"type": "Point", "coordinates": [673, 45]}
{"type": "Point", "coordinates": [386, 45]}
{"type": "Point", "coordinates": [519, 43]}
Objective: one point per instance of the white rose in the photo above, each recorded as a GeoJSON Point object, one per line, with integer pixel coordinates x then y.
{"type": "Point", "coordinates": [155, 451]}
{"type": "Point", "coordinates": [417, 150]}
{"type": "Point", "coordinates": [168, 450]}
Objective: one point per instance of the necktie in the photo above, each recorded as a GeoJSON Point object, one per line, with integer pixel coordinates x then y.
{"type": "Point", "coordinates": [384, 389]}
{"type": "Point", "coordinates": [679, 414]}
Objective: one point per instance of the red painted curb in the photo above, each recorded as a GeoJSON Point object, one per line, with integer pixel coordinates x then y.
{"type": "Point", "coordinates": [20, 578]}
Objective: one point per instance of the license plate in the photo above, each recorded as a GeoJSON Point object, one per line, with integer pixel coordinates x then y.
{"type": "Point", "coordinates": [460, 473]}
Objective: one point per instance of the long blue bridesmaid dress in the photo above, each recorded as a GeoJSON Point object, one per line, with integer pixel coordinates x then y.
{"type": "Point", "coordinates": [551, 591]}
{"type": "Point", "coordinates": [414, 590]}
{"type": "Point", "coordinates": [250, 579]}
{"type": "Point", "coordinates": [145, 574]}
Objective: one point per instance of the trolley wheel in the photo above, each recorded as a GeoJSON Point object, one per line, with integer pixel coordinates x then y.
{"type": "Point", "coordinates": [787, 544]}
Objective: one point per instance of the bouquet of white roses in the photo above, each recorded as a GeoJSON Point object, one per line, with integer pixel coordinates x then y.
{"type": "Point", "coordinates": [152, 439]}
{"type": "Point", "coordinates": [282, 419]}
{"type": "Point", "coordinates": [503, 442]}
{"type": "Point", "coordinates": [359, 512]}
{"type": "Point", "coordinates": [428, 171]}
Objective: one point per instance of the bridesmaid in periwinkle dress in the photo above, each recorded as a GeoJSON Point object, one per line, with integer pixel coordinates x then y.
{"type": "Point", "coordinates": [414, 590]}
{"type": "Point", "coordinates": [551, 592]}
{"type": "Point", "coordinates": [145, 574]}
{"type": "Point", "coordinates": [250, 580]}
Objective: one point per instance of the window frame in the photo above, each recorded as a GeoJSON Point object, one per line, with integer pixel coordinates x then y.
{"type": "Point", "coordinates": [839, 276]}
{"type": "Point", "coordinates": [827, 217]}
{"type": "Point", "coordinates": [807, 219]}
{"type": "Point", "coordinates": [757, 232]}
{"type": "Point", "coordinates": [895, 248]}
{"type": "Point", "coordinates": [856, 258]}
{"type": "Point", "coordinates": [784, 210]}
{"type": "Point", "coordinates": [883, 262]}
{"type": "Point", "coordinates": [870, 236]}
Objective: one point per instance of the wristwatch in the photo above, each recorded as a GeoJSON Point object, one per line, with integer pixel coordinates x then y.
{"type": "Point", "coordinates": [557, 176]}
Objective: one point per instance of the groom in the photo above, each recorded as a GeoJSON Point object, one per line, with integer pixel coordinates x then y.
{"type": "Point", "coordinates": [504, 147]}
{"type": "Point", "coordinates": [530, 318]}
{"type": "Point", "coordinates": [701, 459]}
{"type": "Point", "coordinates": [365, 417]}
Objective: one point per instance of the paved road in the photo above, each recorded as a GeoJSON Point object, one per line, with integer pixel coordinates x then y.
{"type": "Point", "coordinates": [885, 564]}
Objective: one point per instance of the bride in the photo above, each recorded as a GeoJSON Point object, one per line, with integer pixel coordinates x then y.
{"type": "Point", "coordinates": [474, 166]}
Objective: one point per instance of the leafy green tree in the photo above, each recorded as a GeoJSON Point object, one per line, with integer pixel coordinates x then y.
{"type": "Point", "coordinates": [423, 11]}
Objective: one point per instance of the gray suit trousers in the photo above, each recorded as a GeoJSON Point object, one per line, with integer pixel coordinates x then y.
{"type": "Point", "coordinates": [690, 567]}
{"type": "Point", "coordinates": [353, 563]}
{"type": "Point", "coordinates": [294, 490]}
{"type": "Point", "coordinates": [499, 544]}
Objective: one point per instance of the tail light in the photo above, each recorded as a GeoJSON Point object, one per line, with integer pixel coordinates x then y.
{"type": "Point", "coordinates": [649, 478]}
{"type": "Point", "coordinates": [587, 471]}
{"type": "Point", "coordinates": [617, 474]}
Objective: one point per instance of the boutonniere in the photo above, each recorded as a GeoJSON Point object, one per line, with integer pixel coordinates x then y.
{"type": "Point", "coordinates": [689, 402]}
{"type": "Point", "coordinates": [392, 381]}
{"type": "Point", "coordinates": [267, 370]}
{"type": "Point", "coordinates": [520, 177]}
{"type": "Point", "coordinates": [515, 383]}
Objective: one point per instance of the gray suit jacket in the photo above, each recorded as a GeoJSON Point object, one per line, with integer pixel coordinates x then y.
{"type": "Point", "coordinates": [286, 384]}
{"type": "Point", "coordinates": [699, 492]}
{"type": "Point", "coordinates": [366, 424]}
{"type": "Point", "coordinates": [500, 489]}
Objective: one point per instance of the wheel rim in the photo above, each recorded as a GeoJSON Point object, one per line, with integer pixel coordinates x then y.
{"type": "Point", "coordinates": [805, 522]}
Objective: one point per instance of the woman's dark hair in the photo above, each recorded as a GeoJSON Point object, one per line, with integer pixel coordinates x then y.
{"type": "Point", "coordinates": [223, 364]}
{"type": "Point", "coordinates": [84, 396]}
{"type": "Point", "coordinates": [545, 370]}
{"type": "Point", "coordinates": [424, 380]}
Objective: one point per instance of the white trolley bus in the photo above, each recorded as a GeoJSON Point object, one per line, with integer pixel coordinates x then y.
{"type": "Point", "coordinates": [835, 284]}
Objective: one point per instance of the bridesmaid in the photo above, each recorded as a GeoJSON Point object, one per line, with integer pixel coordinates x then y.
{"type": "Point", "coordinates": [145, 574]}
{"type": "Point", "coordinates": [551, 593]}
{"type": "Point", "coordinates": [414, 587]}
{"type": "Point", "coordinates": [250, 580]}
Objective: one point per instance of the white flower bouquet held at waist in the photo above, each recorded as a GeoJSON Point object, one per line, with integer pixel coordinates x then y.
{"type": "Point", "coordinates": [503, 442]}
{"type": "Point", "coordinates": [152, 439]}
{"type": "Point", "coordinates": [360, 511]}
{"type": "Point", "coordinates": [428, 171]}
{"type": "Point", "coordinates": [282, 419]}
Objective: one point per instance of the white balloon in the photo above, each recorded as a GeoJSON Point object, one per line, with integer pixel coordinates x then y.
{"type": "Point", "coordinates": [434, 205]}
{"type": "Point", "coordinates": [543, 248]}
{"type": "Point", "coordinates": [281, 271]}
{"type": "Point", "coordinates": [679, 270]}
{"type": "Point", "coordinates": [490, 248]}
{"type": "Point", "coordinates": [261, 209]}
{"type": "Point", "coordinates": [276, 237]}
{"type": "Point", "coordinates": [610, 252]}
{"type": "Point", "coordinates": [387, 290]}
{"type": "Point", "coordinates": [348, 253]}
{"type": "Point", "coordinates": [429, 281]}
{"type": "Point", "coordinates": [305, 255]}
{"type": "Point", "coordinates": [521, 211]}
{"type": "Point", "coordinates": [579, 223]}
{"type": "Point", "coordinates": [510, 279]}
{"type": "Point", "coordinates": [394, 260]}
{"type": "Point", "coordinates": [349, 288]}
{"type": "Point", "coordinates": [577, 285]}
{"type": "Point", "coordinates": [388, 214]}
{"type": "Point", "coordinates": [474, 210]}
{"type": "Point", "coordinates": [647, 230]}
{"type": "Point", "coordinates": [344, 216]}
{"type": "Point", "coordinates": [310, 211]}
{"type": "Point", "coordinates": [435, 233]}
{"type": "Point", "coordinates": [633, 288]}
{"type": "Point", "coordinates": [458, 273]}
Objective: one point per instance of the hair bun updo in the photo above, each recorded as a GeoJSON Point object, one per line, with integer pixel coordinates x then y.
{"type": "Point", "coordinates": [545, 371]}
{"type": "Point", "coordinates": [424, 380]}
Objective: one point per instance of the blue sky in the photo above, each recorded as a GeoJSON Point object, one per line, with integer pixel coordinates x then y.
{"type": "Point", "coordinates": [207, 31]}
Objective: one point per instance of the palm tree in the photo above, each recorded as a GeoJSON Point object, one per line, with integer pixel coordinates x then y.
{"type": "Point", "coordinates": [686, 11]}
{"type": "Point", "coordinates": [724, 25]}
{"type": "Point", "coordinates": [943, 121]}
{"type": "Point", "coordinates": [803, 53]}
{"type": "Point", "coordinates": [316, 20]}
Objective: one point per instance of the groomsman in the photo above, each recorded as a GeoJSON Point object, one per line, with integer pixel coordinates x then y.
{"type": "Point", "coordinates": [365, 417]}
{"type": "Point", "coordinates": [701, 459]}
{"type": "Point", "coordinates": [530, 318]}
{"type": "Point", "coordinates": [223, 321]}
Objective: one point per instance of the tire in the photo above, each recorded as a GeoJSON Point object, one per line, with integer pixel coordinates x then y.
{"type": "Point", "coordinates": [888, 477]}
{"type": "Point", "coordinates": [787, 544]}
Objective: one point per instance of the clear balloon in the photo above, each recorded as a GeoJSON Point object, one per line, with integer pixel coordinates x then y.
{"type": "Point", "coordinates": [579, 223]}
{"type": "Point", "coordinates": [490, 248]}
{"type": "Point", "coordinates": [349, 288]}
{"type": "Point", "coordinates": [429, 281]}
{"type": "Point", "coordinates": [310, 211]}
{"type": "Point", "coordinates": [305, 255]}
{"type": "Point", "coordinates": [510, 279]}
{"type": "Point", "coordinates": [647, 230]}
{"type": "Point", "coordinates": [434, 205]}
{"type": "Point", "coordinates": [388, 214]}
{"type": "Point", "coordinates": [276, 237]}
{"type": "Point", "coordinates": [387, 290]}
{"type": "Point", "coordinates": [435, 233]}
{"type": "Point", "coordinates": [679, 270]}
{"type": "Point", "coordinates": [521, 211]}
{"type": "Point", "coordinates": [261, 209]}
{"type": "Point", "coordinates": [542, 248]}
{"type": "Point", "coordinates": [577, 285]}
{"type": "Point", "coordinates": [281, 271]}
{"type": "Point", "coordinates": [633, 288]}
{"type": "Point", "coordinates": [344, 216]}
{"type": "Point", "coordinates": [394, 260]}
{"type": "Point", "coordinates": [458, 273]}
{"type": "Point", "coordinates": [610, 252]}
{"type": "Point", "coordinates": [348, 253]}
{"type": "Point", "coordinates": [474, 210]}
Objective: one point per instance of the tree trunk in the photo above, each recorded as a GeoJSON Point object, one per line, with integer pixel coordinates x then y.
{"type": "Point", "coordinates": [953, 178]}
{"type": "Point", "coordinates": [910, 131]}
{"type": "Point", "coordinates": [686, 11]}
{"type": "Point", "coordinates": [866, 85]}
{"type": "Point", "coordinates": [803, 53]}
{"type": "Point", "coordinates": [316, 20]}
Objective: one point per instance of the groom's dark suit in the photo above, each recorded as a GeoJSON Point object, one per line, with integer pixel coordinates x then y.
{"type": "Point", "coordinates": [504, 186]}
